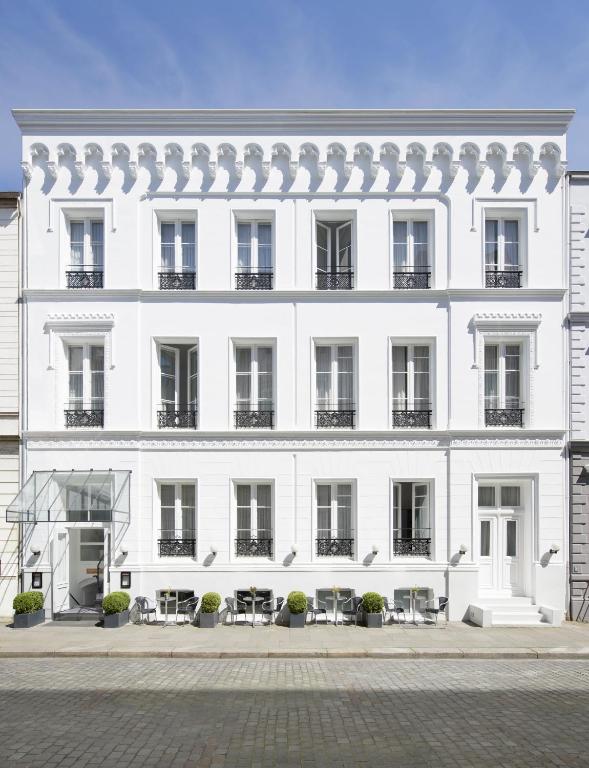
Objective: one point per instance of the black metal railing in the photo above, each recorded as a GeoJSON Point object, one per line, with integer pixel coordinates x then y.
{"type": "Point", "coordinates": [253, 547]}
{"type": "Point", "coordinates": [181, 419]}
{"type": "Point", "coordinates": [84, 278]}
{"type": "Point", "coordinates": [177, 544]}
{"type": "Point", "coordinates": [412, 546]}
{"type": "Point", "coordinates": [254, 281]}
{"type": "Point", "coordinates": [325, 419]}
{"type": "Point", "coordinates": [411, 278]}
{"type": "Point", "coordinates": [339, 280]}
{"type": "Point", "coordinates": [504, 417]}
{"type": "Point", "coordinates": [334, 547]}
{"type": "Point", "coordinates": [255, 419]}
{"type": "Point", "coordinates": [507, 278]}
{"type": "Point", "coordinates": [420, 418]}
{"type": "Point", "coordinates": [177, 281]}
{"type": "Point", "coordinates": [84, 417]}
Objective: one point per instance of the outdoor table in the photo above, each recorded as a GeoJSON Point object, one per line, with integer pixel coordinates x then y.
{"type": "Point", "coordinates": [167, 599]}
{"type": "Point", "coordinates": [253, 600]}
{"type": "Point", "coordinates": [413, 598]}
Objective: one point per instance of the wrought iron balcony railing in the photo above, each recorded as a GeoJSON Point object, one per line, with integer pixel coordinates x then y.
{"type": "Point", "coordinates": [339, 280]}
{"type": "Point", "coordinates": [177, 544]}
{"type": "Point", "coordinates": [254, 281]}
{"type": "Point", "coordinates": [84, 417]}
{"type": "Point", "coordinates": [84, 278]}
{"type": "Point", "coordinates": [253, 547]}
{"type": "Point", "coordinates": [342, 419]}
{"type": "Point", "coordinates": [419, 418]}
{"type": "Point", "coordinates": [504, 417]}
{"type": "Point", "coordinates": [415, 543]}
{"type": "Point", "coordinates": [255, 419]}
{"type": "Point", "coordinates": [411, 278]}
{"type": "Point", "coordinates": [182, 419]}
{"type": "Point", "coordinates": [508, 278]}
{"type": "Point", "coordinates": [177, 281]}
{"type": "Point", "coordinates": [334, 546]}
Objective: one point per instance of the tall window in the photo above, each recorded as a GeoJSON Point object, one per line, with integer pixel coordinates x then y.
{"type": "Point", "coordinates": [177, 519]}
{"type": "Point", "coordinates": [178, 254]}
{"type": "Point", "coordinates": [503, 385]}
{"type": "Point", "coordinates": [90, 502]}
{"type": "Point", "coordinates": [254, 519]}
{"type": "Point", "coordinates": [254, 255]}
{"type": "Point", "coordinates": [411, 385]}
{"type": "Point", "coordinates": [411, 268]}
{"type": "Point", "coordinates": [254, 405]}
{"type": "Point", "coordinates": [179, 385]}
{"type": "Point", "coordinates": [86, 254]}
{"type": "Point", "coordinates": [334, 519]}
{"type": "Point", "coordinates": [334, 255]}
{"type": "Point", "coordinates": [85, 406]}
{"type": "Point", "coordinates": [411, 524]}
{"type": "Point", "coordinates": [502, 253]}
{"type": "Point", "coordinates": [334, 379]}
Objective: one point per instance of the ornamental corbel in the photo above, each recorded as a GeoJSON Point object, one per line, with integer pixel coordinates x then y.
{"type": "Point", "coordinates": [283, 151]}
{"type": "Point", "coordinates": [27, 170]}
{"type": "Point", "coordinates": [52, 169]}
{"type": "Point", "coordinates": [498, 151]}
{"type": "Point", "coordinates": [228, 151]}
{"type": "Point", "coordinates": [391, 151]}
{"type": "Point", "coordinates": [365, 152]}
{"type": "Point", "coordinates": [106, 169]}
{"type": "Point", "coordinates": [470, 151]}
{"type": "Point", "coordinates": [311, 152]}
{"type": "Point", "coordinates": [551, 152]}
{"type": "Point", "coordinates": [526, 152]}
{"type": "Point", "coordinates": [79, 169]}
{"type": "Point", "coordinates": [348, 167]}
{"type": "Point", "coordinates": [416, 151]}
{"type": "Point", "coordinates": [175, 153]}
{"type": "Point", "coordinates": [445, 151]}
{"type": "Point", "coordinates": [338, 151]}
{"type": "Point", "coordinates": [200, 152]}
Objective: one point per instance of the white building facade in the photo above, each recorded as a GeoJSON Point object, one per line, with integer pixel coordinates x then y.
{"type": "Point", "coordinates": [295, 349]}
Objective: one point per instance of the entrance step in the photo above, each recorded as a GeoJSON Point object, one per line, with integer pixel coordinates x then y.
{"type": "Point", "coordinates": [513, 612]}
{"type": "Point", "coordinates": [79, 613]}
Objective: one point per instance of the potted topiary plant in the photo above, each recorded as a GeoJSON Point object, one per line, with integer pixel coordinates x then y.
{"type": "Point", "coordinates": [208, 616]}
{"type": "Point", "coordinates": [372, 605]}
{"type": "Point", "coordinates": [28, 610]}
{"type": "Point", "coordinates": [115, 607]}
{"type": "Point", "coordinates": [297, 609]}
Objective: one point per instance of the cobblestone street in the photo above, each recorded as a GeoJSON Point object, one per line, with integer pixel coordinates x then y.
{"type": "Point", "coordinates": [181, 712]}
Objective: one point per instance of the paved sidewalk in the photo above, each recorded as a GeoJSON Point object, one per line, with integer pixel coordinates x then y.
{"type": "Point", "coordinates": [455, 640]}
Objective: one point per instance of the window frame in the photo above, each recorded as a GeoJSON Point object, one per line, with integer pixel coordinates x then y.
{"type": "Point", "coordinates": [411, 216]}
{"type": "Point", "coordinates": [325, 216]}
{"type": "Point", "coordinates": [177, 483]}
{"type": "Point", "coordinates": [88, 252]}
{"type": "Point", "coordinates": [251, 482]}
{"type": "Point", "coordinates": [171, 343]}
{"type": "Point", "coordinates": [333, 483]}
{"type": "Point", "coordinates": [178, 244]}
{"type": "Point", "coordinates": [430, 485]}
{"type": "Point", "coordinates": [234, 344]}
{"type": "Point", "coordinates": [502, 344]}
{"type": "Point", "coordinates": [502, 215]}
{"type": "Point", "coordinates": [394, 341]}
{"type": "Point", "coordinates": [86, 345]}
{"type": "Point", "coordinates": [333, 344]}
{"type": "Point", "coordinates": [254, 244]}
{"type": "Point", "coordinates": [177, 217]}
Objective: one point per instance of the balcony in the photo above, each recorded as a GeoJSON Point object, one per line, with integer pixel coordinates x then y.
{"type": "Point", "coordinates": [258, 419]}
{"type": "Point", "coordinates": [337, 419]}
{"type": "Point", "coordinates": [416, 543]}
{"type": "Point", "coordinates": [495, 278]}
{"type": "Point", "coordinates": [171, 419]}
{"type": "Point", "coordinates": [81, 277]}
{"type": "Point", "coordinates": [254, 281]}
{"type": "Point", "coordinates": [339, 280]}
{"type": "Point", "coordinates": [83, 417]}
{"type": "Point", "coordinates": [334, 546]}
{"type": "Point", "coordinates": [418, 419]}
{"type": "Point", "coordinates": [177, 543]}
{"type": "Point", "coordinates": [411, 278]}
{"type": "Point", "coordinates": [246, 546]}
{"type": "Point", "coordinates": [177, 281]}
{"type": "Point", "coordinates": [504, 417]}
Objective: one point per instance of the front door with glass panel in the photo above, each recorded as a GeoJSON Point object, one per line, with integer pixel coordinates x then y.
{"type": "Point", "coordinates": [501, 540]}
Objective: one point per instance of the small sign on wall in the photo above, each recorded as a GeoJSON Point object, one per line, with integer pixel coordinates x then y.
{"type": "Point", "coordinates": [37, 580]}
{"type": "Point", "coordinates": [125, 579]}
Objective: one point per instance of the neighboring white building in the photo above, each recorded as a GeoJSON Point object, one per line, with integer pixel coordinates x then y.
{"type": "Point", "coordinates": [9, 393]}
{"type": "Point", "coordinates": [296, 349]}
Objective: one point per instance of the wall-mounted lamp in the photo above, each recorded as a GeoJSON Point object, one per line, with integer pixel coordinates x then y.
{"type": "Point", "coordinates": [463, 549]}
{"type": "Point", "coordinates": [554, 549]}
{"type": "Point", "coordinates": [213, 550]}
{"type": "Point", "coordinates": [35, 552]}
{"type": "Point", "coordinates": [375, 549]}
{"type": "Point", "coordinates": [294, 549]}
{"type": "Point", "coordinates": [124, 552]}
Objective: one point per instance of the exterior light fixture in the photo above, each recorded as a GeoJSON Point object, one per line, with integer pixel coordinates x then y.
{"type": "Point", "coordinates": [213, 550]}
{"type": "Point", "coordinates": [294, 549]}
{"type": "Point", "coordinates": [463, 549]}
{"type": "Point", "coordinates": [554, 549]}
{"type": "Point", "coordinates": [375, 549]}
{"type": "Point", "coordinates": [35, 552]}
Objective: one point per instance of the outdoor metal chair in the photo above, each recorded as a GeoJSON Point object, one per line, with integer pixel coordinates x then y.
{"type": "Point", "coordinates": [392, 607]}
{"type": "Point", "coordinates": [315, 610]}
{"type": "Point", "coordinates": [235, 607]}
{"type": "Point", "coordinates": [187, 608]}
{"type": "Point", "coordinates": [351, 608]}
{"type": "Point", "coordinates": [272, 608]}
{"type": "Point", "coordinates": [146, 607]}
{"type": "Point", "coordinates": [433, 609]}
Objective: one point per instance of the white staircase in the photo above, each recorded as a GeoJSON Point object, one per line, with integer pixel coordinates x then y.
{"type": "Point", "coordinates": [512, 612]}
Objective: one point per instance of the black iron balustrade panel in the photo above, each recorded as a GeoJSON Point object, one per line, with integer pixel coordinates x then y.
{"type": "Point", "coordinates": [83, 417]}
{"type": "Point", "coordinates": [504, 417]}
{"type": "Point", "coordinates": [411, 280]}
{"type": "Point", "coordinates": [341, 419]}
{"type": "Point", "coordinates": [503, 279]}
{"type": "Point", "coordinates": [335, 547]}
{"type": "Point", "coordinates": [177, 547]}
{"type": "Point", "coordinates": [176, 419]}
{"type": "Point", "coordinates": [253, 547]}
{"type": "Point", "coordinates": [420, 419]}
{"type": "Point", "coordinates": [81, 278]}
{"type": "Point", "coordinates": [177, 281]}
{"type": "Point", "coordinates": [254, 419]}
{"type": "Point", "coordinates": [335, 281]}
{"type": "Point", "coordinates": [254, 281]}
{"type": "Point", "coordinates": [412, 547]}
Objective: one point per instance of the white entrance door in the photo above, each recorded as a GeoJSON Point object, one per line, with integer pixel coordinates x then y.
{"type": "Point", "coordinates": [60, 571]}
{"type": "Point", "coordinates": [500, 553]}
{"type": "Point", "coordinates": [511, 554]}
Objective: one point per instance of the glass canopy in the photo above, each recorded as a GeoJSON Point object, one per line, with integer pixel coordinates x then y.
{"type": "Point", "coordinates": [93, 496]}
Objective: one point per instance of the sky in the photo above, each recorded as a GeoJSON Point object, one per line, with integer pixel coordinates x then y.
{"type": "Point", "coordinates": [292, 53]}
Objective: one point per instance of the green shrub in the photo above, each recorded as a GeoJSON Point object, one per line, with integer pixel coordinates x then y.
{"type": "Point", "coordinates": [28, 602]}
{"type": "Point", "coordinates": [210, 602]}
{"type": "Point", "coordinates": [372, 602]}
{"type": "Point", "coordinates": [297, 602]}
{"type": "Point", "coordinates": [116, 602]}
